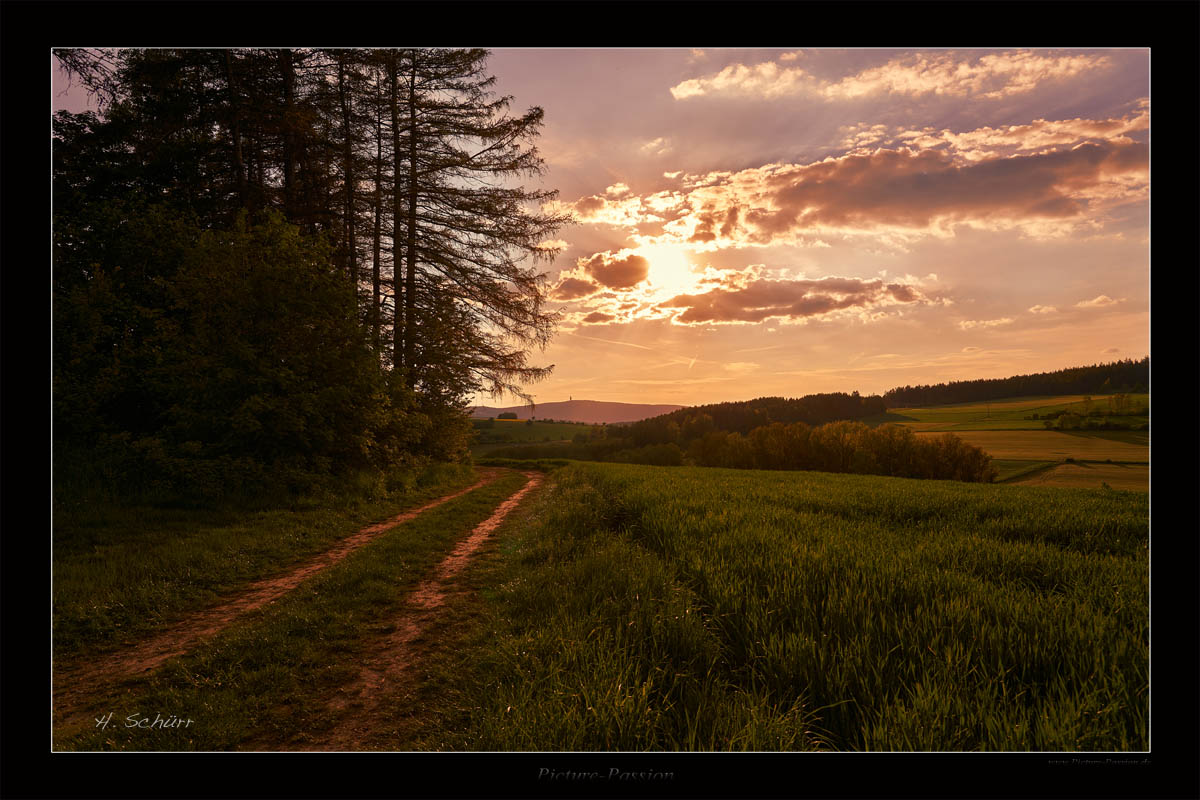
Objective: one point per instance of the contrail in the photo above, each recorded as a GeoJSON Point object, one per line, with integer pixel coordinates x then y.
{"type": "Point", "coordinates": [674, 358]}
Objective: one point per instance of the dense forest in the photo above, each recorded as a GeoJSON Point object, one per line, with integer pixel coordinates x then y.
{"type": "Point", "coordinates": [1119, 376]}
{"type": "Point", "coordinates": [817, 432]}
{"type": "Point", "coordinates": [275, 267]}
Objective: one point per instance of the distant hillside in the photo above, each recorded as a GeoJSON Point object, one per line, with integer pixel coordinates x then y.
{"type": "Point", "coordinates": [591, 411]}
{"type": "Point", "coordinates": [1119, 376]}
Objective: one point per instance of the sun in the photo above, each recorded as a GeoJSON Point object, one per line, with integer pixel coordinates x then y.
{"type": "Point", "coordinates": [670, 270]}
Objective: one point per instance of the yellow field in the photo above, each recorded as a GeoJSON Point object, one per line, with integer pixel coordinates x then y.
{"type": "Point", "coordinates": [1052, 445]}
{"type": "Point", "coordinates": [1133, 477]}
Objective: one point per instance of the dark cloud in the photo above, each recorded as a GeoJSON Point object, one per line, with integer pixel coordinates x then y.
{"type": "Point", "coordinates": [797, 299]}
{"type": "Point", "coordinates": [574, 288]}
{"type": "Point", "coordinates": [616, 271]}
{"type": "Point", "coordinates": [590, 205]}
{"type": "Point", "coordinates": [904, 294]}
{"type": "Point", "coordinates": [597, 317]}
{"type": "Point", "coordinates": [912, 189]}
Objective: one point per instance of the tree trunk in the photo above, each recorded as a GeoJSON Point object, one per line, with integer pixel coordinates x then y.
{"type": "Point", "coordinates": [410, 272]}
{"type": "Point", "coordinates": [398, 364]}
{"type": "Point", "coordinates": [235, 130]}
{"type": "Point", "coordinates": [375, 283]}
{"type": "Point", "coordinates": [289, 144]}
{"type": "Point", "coordinates": [348, 173]}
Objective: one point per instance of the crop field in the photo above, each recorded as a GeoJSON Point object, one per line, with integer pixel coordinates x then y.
{"type": "Point", "coordinates": [505, 432]}
{"type": "Point", "coordinates": [1011, 469]}
{"type": "Point", "coordinates": [1055, 446]}
{"type": "Point", "coordinates": [1006, 414]}
{"type": "Point", "coordinates": [651, 608]}
{"type": "Point", "coordinates": [1128, 477]}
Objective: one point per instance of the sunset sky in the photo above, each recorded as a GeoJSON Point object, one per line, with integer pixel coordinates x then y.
{"type": "Point", "coordinates": [782, 222]}
{"type": "Point", "coordinates": [786, 221]}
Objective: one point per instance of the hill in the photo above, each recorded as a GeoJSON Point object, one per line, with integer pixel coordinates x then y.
{"type": "Point", "coordinates": [1127, 376]}
{"type": "Point", "coordinates": [592, 412]}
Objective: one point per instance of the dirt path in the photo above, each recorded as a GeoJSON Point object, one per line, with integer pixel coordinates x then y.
{"type": "Point", "coordinates": [75, 684]}
{"type": "Point", "coordinates": [390, 660]}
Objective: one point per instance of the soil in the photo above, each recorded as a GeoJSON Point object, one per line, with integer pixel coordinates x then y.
{"type": "Point", "coordinates": [75, 684]}
{"type": "Point", "coordinates": [387, 672]}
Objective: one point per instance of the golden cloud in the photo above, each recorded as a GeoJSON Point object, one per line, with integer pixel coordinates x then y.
{"type": "Point", "coordinates": [795, 299]}
{"type": "Point", "coordinates": [991, 76]}
{"type": "Point", "coordinates": [890, 194]}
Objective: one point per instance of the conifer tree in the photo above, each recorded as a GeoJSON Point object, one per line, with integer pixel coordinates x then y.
{"type": "Point", "coordinates": [466, 227]}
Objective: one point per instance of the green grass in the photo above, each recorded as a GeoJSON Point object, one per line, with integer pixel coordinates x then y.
{"type": "Point", "coordinates": [506, 432]}
{"type": "Point", "coordinates": [122, 571]}
{"type": "Point", "coordinates": [1006, 414]}
{"type": "Point", "coordinates": [647, 608]}
{"type": "Point", "coordinates": [1057, 446]}
{"type": "Point", "coordinates": [1124, 477]}
{"type": "Point", "coordinates": [265, 678]}
{"type": "Point", "coordinates": [1011, 469]}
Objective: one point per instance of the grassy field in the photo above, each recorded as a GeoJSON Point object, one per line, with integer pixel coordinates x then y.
{"type": "Point", "coordinates": [648, 608]}
{"type": "Point", "coordinates": [1054, 446]}
{"type": "Point", "coordinates": [1129, 477]}
{"type": "Point", "coordinates": [507, 432]}
{"type": "Point", "coordinates": [121, 571]}
{"type": "Point", "coordinates": [1006, 414]}
{"type": "Point", "coordinates": [266, 677]}
{"type": "Point", "coordinates": [1013, 469]}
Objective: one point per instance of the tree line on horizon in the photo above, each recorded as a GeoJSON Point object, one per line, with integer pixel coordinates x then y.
{"type": "Point", "coordinates": [273, 266]}
{"type": "Point", "coordinates": [1122, 376]}
{"type": "Point", "coordinates": [815, 432]}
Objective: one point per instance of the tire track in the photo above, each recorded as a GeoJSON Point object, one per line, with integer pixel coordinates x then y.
{"type": "Point", "coordinates": [74, 685]}
{"type": "Point", "coordinates": [392, 657]}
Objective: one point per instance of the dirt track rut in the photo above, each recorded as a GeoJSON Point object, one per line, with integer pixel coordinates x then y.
{"type": "Point", "coordinates": [74, 685]}
{"type": "Point", "coordinates": [391, 659]}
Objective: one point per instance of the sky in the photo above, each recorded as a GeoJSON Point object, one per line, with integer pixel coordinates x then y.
{"type": "Point", "coordinates": [790, 221]}
{"type": "Point", "coordinates": [784, 222]}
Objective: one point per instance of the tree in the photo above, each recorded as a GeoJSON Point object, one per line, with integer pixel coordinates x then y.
{"type": "Point", "coordinates": [405, 158]}
{"type": "Point", "coordinates": [462, 227]}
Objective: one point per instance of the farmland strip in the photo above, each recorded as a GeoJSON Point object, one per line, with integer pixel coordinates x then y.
{"type": "Point", "coordinates": [73, 685]}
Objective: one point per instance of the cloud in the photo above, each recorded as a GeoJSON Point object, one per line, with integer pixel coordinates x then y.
{"type": "Point", "coordinates": [597, 318]}
{"type": "Point", "coordinates": [988, 142]}
{"type": "Point", "coordinates": [1111, 350]}
{"type": "Point", "coordinates": [620, 270]}
{"type": "Point", "coordinates": [1040, 309]}
{"type": "Point", "coordinates": [572, 288]}
{"type": "Point", "coordinates": [968, 324]}
{"type": "Point", "coordinates": [740, 301]}
{"type": "Point", "coordinates": [1097, 302]}
{"type": "Point", "coordinates": [595, 209]}
{"type": "Point", "coordinates": [616, 190]}
{"type": "Point", "coordinates": [948, 74]}
{"type": "Point", "coordinates": [656, 147]}
{"type": "Point", "coordinates": [892, 194]}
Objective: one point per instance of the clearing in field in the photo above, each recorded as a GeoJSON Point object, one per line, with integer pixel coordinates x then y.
{"type": "Point", "coordinates": [1129, 477]}
{"type": "Point", "coordinates": [1054, 446]}
{"type": "Point", "coordinates": [494, 434]}
{"type": "Point", "coordinates": [1006, 414]}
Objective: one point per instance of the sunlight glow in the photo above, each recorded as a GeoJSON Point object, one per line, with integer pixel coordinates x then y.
{"type": "Point", "coordinates": [671, 272]}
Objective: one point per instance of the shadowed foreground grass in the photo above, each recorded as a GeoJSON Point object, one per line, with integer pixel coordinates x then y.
{"type": "Point", "coordinates": [647, 608]}
{"type": "Point", "coordinates": [267, 677]}
{"type": "Point", "coordinates": [120, 572]}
